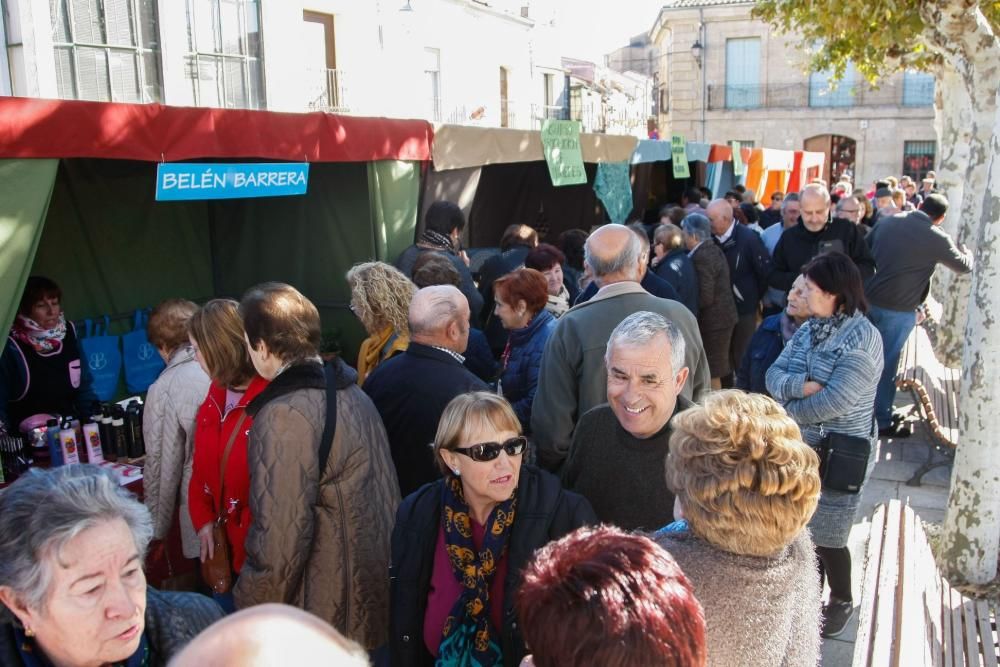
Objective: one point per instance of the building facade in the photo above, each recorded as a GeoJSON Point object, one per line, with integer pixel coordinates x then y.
{"type": "Point", "coordinates": [459, 61]}
{"type": "Point", "coordinates": [725, 76]}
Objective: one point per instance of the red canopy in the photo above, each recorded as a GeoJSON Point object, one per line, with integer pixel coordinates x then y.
{"type": "Point", "coordinates": [34, 128]}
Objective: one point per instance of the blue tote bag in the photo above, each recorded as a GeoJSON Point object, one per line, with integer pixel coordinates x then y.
{"type": "Point", "coordinates": [142, 360]}
{"type": "Point", "coordinates": [103, 357]}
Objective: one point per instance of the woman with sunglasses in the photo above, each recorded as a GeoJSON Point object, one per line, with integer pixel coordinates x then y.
{"type": "Point", "coordinates": [460, 543]}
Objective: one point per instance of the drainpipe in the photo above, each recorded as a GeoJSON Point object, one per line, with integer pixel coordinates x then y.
{"type": "Point", "coordinates": [702, 36]}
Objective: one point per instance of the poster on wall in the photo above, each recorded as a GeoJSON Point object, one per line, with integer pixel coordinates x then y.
{"type": "Point", "coordinates": [678, 157]}
{"type": "Point", "coordinates": [561, 145]}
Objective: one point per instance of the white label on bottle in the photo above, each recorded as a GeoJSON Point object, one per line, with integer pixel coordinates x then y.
{"type": "Point", "coordinates": [67, 439]}
{"type": "Point", "coordinates": [92, 438]}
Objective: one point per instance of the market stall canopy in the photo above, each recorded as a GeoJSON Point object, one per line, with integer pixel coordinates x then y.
{"type": "Point", "coordinates": [808, 165]}
{"type": "Point", "coordinates": [651, 150]}
{"type": "Point", "coordinates": [768, 171]}
{"type": "Point", "coordinates": [460, 146]}
{"type": "Point", "coordinates": [35, 128]}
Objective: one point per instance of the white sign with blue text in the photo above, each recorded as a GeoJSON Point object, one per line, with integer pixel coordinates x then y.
{"type": "Point", "coordinates": [192, 180]}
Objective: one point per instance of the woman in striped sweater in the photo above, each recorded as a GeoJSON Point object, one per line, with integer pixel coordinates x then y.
{"type": "Point", "coordinates": [826, 378]}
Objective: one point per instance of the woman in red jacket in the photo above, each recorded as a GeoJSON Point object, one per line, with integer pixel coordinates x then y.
{"type": "Point", "coordinates": [216, 333]}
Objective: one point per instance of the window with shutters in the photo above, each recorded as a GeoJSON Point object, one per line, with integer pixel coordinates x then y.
{"type": "Point", "coordinates": [743, 89]}
{"type": "Point", "coordinates": [825, 92]}
{"type": "Point", "coordinates": [106, 50]}
{"type": "Point", "coordinates": [224, 62]}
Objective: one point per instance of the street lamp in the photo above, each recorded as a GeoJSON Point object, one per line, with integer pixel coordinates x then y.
{"type": "Point", "coordinates": [696, 50]}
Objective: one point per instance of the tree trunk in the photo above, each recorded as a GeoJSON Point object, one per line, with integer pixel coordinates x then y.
{"type": "Point", "coordinates": [968, 84]}
{"type": "Point", "coordinates": [971, 539]}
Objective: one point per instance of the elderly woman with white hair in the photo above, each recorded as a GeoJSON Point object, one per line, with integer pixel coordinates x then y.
{"type": "Point", "coordinates": [71, 578]}
{"type": "Point", "coordinates": [717, 315]}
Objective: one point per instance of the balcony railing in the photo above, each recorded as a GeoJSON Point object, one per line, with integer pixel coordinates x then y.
{"type": "Point", "coordinates": [327, 91]}
{"type": "Point", "coordinates": [812, 95]}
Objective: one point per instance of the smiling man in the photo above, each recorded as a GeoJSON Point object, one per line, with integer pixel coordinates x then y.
{"type": "Point", "coordinates": [620, 448]}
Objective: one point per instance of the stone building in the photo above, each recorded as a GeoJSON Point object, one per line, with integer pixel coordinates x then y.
{"type": "Point", "coordinates": [725, 76]}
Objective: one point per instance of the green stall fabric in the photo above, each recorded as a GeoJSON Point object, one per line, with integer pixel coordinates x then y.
{"type": "Point", "coordinates": [25, 191]}
{"type": "Point", "coordinates": [394, 191]}
{"type": "Point", "coordinates": [306, 241]}
{"type": "Point", "coordinates": [112, 248]}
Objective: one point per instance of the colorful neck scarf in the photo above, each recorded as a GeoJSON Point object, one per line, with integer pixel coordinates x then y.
{"type": "Point", "coordinates": [436, 240]}
{"type": "Point", "coordinates": [43, 340]}
{"type": "Point", "coordinates": [469, 640]}
{"type": "Point", "coordinates": [824, 327]}
{"type": "Point", "coordinates": [32, 655]}
{"type": "Point", "coordinates": [376, 349]}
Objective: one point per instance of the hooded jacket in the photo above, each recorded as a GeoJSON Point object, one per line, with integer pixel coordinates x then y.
{"type": "Point", "coordinates": [319, 539]}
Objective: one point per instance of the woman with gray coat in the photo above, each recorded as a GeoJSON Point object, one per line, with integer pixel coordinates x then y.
{"type": "Point", "coordinates": [826, 378]}
{"type": "Point", "coordinates": [169, 420]}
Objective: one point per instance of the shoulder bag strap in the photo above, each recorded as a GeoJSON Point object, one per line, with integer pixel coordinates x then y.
{"type": "Point", "coordinates": [225, 460]}
{"type": "Point", "coordinates": [330, 425]}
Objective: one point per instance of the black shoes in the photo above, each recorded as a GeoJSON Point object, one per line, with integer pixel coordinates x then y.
{"type": "Point", "coordinates": [836, 615]}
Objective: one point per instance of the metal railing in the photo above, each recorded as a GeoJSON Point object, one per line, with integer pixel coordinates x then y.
{"type": "Point", "coordinates": [327, 91]}
{"type": "Point", "coordinates": [813, 95]}
{"type": "Point", "coordinates": [542, 112]}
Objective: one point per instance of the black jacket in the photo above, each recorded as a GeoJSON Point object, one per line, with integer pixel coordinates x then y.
{"type": "Point", "coordinates": [798, 245]}
{"type": "Point", "coordinates": [410, 391]}
{"type": "Point", "coordinates": [493, 268]}
{"type": "Point", "coordinates": [172, 620]}
{"type": "Point", "coordinates": [545, 512]}
{"type": "Point", "coordinates": [749, 267]}
{"type": "Point", "coordinates": [678, 270]}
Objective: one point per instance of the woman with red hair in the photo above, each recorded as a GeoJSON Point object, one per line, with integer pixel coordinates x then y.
{"type": "Point", "coordinates": [602, 596]}
{"type": "Point", "coordinates": [521, 297]}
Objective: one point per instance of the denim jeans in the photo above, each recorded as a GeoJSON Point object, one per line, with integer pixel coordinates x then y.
{"type": "Point", "coordinates": [895, 326]}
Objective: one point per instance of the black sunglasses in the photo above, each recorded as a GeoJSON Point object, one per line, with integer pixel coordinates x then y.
{"type": "Point", "coordinates": [487, 451]}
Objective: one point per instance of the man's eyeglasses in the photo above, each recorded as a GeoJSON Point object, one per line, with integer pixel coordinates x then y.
{"type": "Point", "coordinates": [488, 451]}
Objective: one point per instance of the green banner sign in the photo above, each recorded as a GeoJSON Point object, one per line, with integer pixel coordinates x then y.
{"type": "Point", "coordinates": [561, 144]}
{"type": "Point", "coordinates": [737, 159]}
{"type": "Point", "coordinates": [678, 157]}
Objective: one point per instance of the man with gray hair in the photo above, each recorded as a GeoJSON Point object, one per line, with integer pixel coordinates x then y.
{"type": "Point", "coordinates": [412, 389]}
{"type": "Point", "coordinates": [573, 377]}
{"type": "Point", "coordinates": [620, 448]}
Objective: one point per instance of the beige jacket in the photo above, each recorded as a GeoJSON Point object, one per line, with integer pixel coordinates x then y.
{"type": "Point", "coordinates": [319, 540]}
{"type": "Point", "coordinates": [168, 422]}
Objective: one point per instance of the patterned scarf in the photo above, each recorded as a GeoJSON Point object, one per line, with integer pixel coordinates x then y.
{"type": "Point", "coordinates": [43, 340]}
{"type": "Point", "coordinates": [469, 640]}
{"type": "Point", "coordinates": [822, 328]}
{"type": "Point", "coordinates": [558, 304]}
{"type": "Point", "coordinates": [436, 240]}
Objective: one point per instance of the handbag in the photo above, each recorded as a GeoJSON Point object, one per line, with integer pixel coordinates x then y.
{"type": "Point", "coordinates": [103, 357]}
{"type": "Point", "coordinates": [143, 362]}
{"type": "Point", "coordinates": [217, 570]}
{"type": "Point", "coordinates": [843, 462]}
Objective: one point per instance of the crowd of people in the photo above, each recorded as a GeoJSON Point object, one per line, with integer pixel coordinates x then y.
{"type": "Point", "coordinates": [641, 445]}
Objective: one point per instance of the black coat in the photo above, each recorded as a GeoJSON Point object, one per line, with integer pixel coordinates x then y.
{"type": "Point", "coordinates": [545, 512]}
{"type": "Point", "coordinates": [798, 245]}
{"type": "Point", "coordinates": [749, 267]}
{"type": "Point", "coordinates": [495, 267]}
{"type": "Point", "coordinates": [678, 270]}
{"type": "Point", "coordinates": [410, 391]}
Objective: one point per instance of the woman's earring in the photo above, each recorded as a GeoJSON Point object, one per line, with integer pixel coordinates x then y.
{"type": "Point", "coordinates": [458, 473]}
{"type": "Point", "coordinates": [28, 632]}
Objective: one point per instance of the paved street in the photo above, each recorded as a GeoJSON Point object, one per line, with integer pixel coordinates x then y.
{"type": "Point", "coordinates": [898, 459]}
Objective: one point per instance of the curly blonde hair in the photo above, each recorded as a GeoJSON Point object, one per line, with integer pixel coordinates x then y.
{"type": "Point", "coordinates": [381, 295]}
{"type": "Point", "coordinates": [747, 482]}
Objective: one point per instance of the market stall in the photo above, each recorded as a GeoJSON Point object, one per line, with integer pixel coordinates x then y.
{"type": "Point", "coordinates": [499, 176]}
{"type": "Point", "coordinates": [768, 170]}
{"type": "Point", "coordinates": [78, 204]}
{"type": "Point", "coordinates": [807, 166]}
